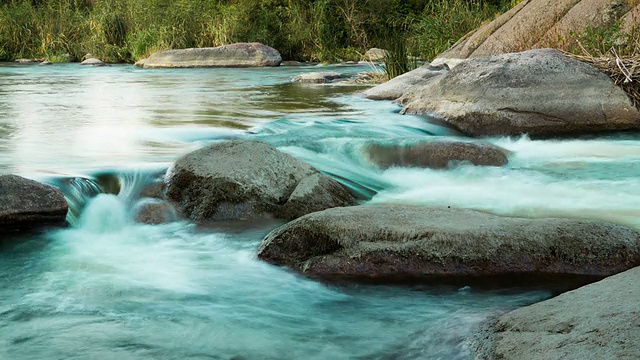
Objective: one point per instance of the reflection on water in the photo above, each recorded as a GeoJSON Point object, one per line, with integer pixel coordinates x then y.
{"type": "Point", "coordinates": [108, 288]}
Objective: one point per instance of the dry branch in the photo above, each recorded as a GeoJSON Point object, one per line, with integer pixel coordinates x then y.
{"type": "Point", "coordinates": [624, 71]}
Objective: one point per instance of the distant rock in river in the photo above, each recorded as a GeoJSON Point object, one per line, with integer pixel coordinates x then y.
{"type": "Point", "coordinates": [233, 55]}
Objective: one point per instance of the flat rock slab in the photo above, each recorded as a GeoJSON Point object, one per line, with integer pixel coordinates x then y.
{"type": "Point", "coordinates": [398, 242]}
{"type": "Point", "coordinates": [26, 204]}
{"type": "Point", "coordinates": [436, 154]}
{"type": "Point", "coordinates": [537, 92]}
{"type": "Point", "coordinates": [243, 179]}
{"type": "Point", "coordinates": [232, 55]}
{"type": "Point", "coordinates": [321, 77]}
{"type": "Point", "coordinates": [396, 87]}
{"type": "Point", "coordinates": [597, 321]}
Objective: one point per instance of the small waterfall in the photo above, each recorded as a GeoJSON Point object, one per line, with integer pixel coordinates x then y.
{"type": "Point", "coordinates": [125, 186]}
{"type": "Point", "coordinates": [104, 214]}
{"type": "Point", "coordinates": [78, 191]}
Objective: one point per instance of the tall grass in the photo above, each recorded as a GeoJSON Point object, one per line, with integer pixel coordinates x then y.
{"type": "Point", "coordinates": [317, 30]}
{"type": "Point", "coordinates": [443, 22]}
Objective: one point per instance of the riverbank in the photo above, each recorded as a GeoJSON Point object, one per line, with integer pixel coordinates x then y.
{"type": "Point", "coordinates": [327, 30]}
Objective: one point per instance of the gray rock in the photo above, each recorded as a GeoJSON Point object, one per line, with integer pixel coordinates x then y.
{"type": "Point", "coordinates": [538, 92]}
{"type": "Point", "coordinates": [26, 204]}
{"type": "Point", "coordinates": [26, 61]}
{"type": "Point", "coordinates": [320, 77]}
{"type": "Point", "coordinates": [400, 242]}
{"type": "Point", "coordinates": [140, 63]}
{"type": "Point", "coordinates": [233, 55]}
{"type": "Point", "coordinates": [436, 154]}
{"type": "Point", "coordinates": [46, 63]}
{"type": "Point", "coordinates": [375, 54]}
{"type": "Point", "coordinates": [248, 180]}
{"type": "Point", "coordinates": [154, 212]}
{"type": "Point", "coordinates": [153, 190]}
{"type": "Point", "coordinates": [396, 87]}
{"type": "Point", "coordinates": [597, 321]}
{"type": "Point", "coordinates": [93, 62]}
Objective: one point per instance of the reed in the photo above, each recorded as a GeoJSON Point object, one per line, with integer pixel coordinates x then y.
{"type": "Point", "coordinates": [318, 30]}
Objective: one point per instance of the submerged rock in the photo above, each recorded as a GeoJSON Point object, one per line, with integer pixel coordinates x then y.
{"type": "Point", "coordinates": [321, 77]}
{"type": "Point", "coordinates": [405, 242]}
{"type": "Point", "coordinates": [154, 212]}
{"type": "Point", "coordinates": [396, 87]}
{"type": "Point", "coordinates": [26, 204]}
{"type": "Point", "coordinates": [246, 180]}
{"type": "Point", "coordinates": [233, 55]}
{"type": "Point", "coordinates": [538, 92]}
{"type": "Point", "coordinates": [435, 154]}
{"type": "Point", "coordinates": [597, 321]}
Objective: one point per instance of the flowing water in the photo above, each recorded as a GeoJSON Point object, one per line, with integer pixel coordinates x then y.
{"type": "Point", "coordinates": [109, 288]}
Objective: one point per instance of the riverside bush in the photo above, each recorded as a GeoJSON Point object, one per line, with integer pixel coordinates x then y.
{"type": "Point", "coordinates": [308, 30]}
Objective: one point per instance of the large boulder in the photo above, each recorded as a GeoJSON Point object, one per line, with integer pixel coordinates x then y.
{"type": "Point", "coordinates": [399, 242]}
{"type": "Point", "coordinates": [539, 92]}
{"type": "Point", "coordinates": [249, 179]}
{"type": "Point", "coordinates": [397, 86]}
{"type": "Point", "coordinates": [435, 154]}
{"type": "Point", "coordinates": [26, 204]}
{"type": "Point", "coordinates": [233, 55]}
{"type": "Point", "coordinates": [597, 321]}
{"type": "Point", "coordinates": [543, 23]}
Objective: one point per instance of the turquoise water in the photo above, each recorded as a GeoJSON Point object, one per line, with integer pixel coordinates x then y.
{"type": "Point", "coordinates": [108, 288]}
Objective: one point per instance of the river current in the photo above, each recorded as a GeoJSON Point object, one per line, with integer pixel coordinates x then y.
{"type": "Point", "coordinates": [109, 288]}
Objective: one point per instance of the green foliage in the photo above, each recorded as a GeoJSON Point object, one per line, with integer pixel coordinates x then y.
{"type": "Point", "coordinates": [399, 58]}
{"type": "Point", "coordinates": [315, 30]}
{"type": "Point", "coordinates": [598, 42]}
{"type": "Point", "coordinates": [443, 22]}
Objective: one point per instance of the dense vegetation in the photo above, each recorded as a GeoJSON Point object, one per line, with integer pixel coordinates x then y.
{"type": "Point", "coordinates": [315, 30]}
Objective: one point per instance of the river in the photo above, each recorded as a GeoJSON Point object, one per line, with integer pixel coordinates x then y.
{"type": "Point", "coordinates": [109, 288]}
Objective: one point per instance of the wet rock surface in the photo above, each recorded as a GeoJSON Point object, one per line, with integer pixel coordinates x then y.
{"type": "Point", "coordinates": [435, 154]}
{"type": "Point", "coordinates": [248, 180]}
{"type": "Point", "coordinates": [397, 242]}
{"type": "Point", "coordinates": [26, 204]}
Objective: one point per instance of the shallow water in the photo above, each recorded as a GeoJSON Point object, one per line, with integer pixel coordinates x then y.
{"type": "Point", "coordinates": [108, 288]}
